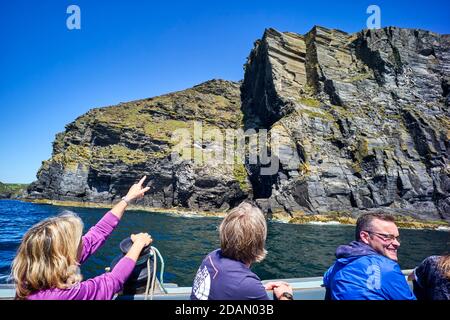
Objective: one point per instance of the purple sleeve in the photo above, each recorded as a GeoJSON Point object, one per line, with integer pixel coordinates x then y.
{"type": "Point", "coordinates": [97, 235]}
{"type": "Point", "coordinates": [105, 286]}
{"type": "Point", "coordinates": [252, 289]}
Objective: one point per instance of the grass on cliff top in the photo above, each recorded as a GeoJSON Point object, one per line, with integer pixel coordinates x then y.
{"type": "Point", "coordinates": [12, 187]}
{"type": "Point", "coordinates": [188, 105]}
{"type": "Point", "coordinates": [123, 116]}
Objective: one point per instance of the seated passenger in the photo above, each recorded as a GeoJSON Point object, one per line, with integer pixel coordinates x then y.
{"type": "Point", "coordinates": [225, 273]}
{"type": "Point", "coordinates": [431, 279]}
{"type": "Point", "coordinates": [367, 269]}
{"type": "Point", "coordinates": [46, 266]}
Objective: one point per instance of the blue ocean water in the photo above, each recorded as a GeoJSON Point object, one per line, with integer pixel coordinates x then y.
{"type": "Point", "coordinates": [294, 250]}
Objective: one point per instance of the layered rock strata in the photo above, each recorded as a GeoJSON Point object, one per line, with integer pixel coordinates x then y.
{"type": "Point", "coordinates": [366, 114]}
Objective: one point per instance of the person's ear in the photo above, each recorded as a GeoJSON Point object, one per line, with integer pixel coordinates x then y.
{"type": "Point", "coordinates": [364, 236]}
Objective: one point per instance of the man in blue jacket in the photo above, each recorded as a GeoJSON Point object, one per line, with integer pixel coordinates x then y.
{"type": "Point", "coordinates": [367, 269]}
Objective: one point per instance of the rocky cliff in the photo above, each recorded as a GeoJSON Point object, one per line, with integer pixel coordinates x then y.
{"type": "Point", "coordinates": [104, 151]}
{"type": "Point", "coordinates": [355, 122]}
{"type": "Point", "coordinates": [367, 115]}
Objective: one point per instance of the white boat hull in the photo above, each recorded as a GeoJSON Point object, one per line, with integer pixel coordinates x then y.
{"type": "Point", "coordinates": [303, 289]}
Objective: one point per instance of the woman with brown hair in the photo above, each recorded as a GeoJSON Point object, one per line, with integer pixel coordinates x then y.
{"type": "Point", "coordinates": [46, 266]}
{"type": "Point", "coordinates": [431, 279]}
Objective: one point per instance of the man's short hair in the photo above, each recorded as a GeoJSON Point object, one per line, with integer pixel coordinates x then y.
{"type": "Point", "coordinates": [243, 234]}
{"type": "Point", "coordinates": [364, 221]}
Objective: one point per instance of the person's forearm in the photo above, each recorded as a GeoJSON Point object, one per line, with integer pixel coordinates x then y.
{"type": "Point", "coordinates": [135, 251]}
{"type": "Point", "coordinates": [135, 192]}
{"type": "Point", "coordinates": [119, 209]}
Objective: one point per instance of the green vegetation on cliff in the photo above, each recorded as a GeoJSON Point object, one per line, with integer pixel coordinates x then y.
{"type": "Point", "coordinates": [119, 153]}
{"type": "Point", "coordinates": [122, 130]}
{"type": "Point", "coordinates": [75, 155]}
{"type": "Point", "coordinates": [241, 176]}
{"type": "Point", "coordinates": [11, 188]}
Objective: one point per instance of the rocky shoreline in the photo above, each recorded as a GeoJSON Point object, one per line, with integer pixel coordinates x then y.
{"type": "Point", "coordinates": [403, 222]}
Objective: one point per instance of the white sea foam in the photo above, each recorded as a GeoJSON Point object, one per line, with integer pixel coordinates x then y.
{"type": "Point", "coordinates": [279, 221]}
{"type": "Point", "coordinates": [333, 223]}
{"type": "Point", "coordinates": [442, 228]}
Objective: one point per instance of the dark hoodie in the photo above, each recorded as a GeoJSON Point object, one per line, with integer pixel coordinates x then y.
{"type": "Point", "coordinates": [361, 273]}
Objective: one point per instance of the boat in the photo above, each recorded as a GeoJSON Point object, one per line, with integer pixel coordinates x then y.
{"type": "Point", "coordinates": [303, 289]}
{"type": "Point", "coordinates": [310, 288]}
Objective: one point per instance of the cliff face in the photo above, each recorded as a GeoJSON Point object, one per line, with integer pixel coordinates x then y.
{"type": "Point", "coordinates": [355, 122]}
{"type": "Point", "coordinates": [366, 114]}
{"type": "Point", "coordinates": [103, 152]}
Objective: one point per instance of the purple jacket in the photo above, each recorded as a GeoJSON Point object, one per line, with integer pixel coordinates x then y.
{"type": "Point", "coordinates": [103, 287]}
{"type": "Point", "coordinates": [221, 278]}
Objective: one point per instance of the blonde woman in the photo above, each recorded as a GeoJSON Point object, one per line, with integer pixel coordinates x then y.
{"type": "Point", "coordinates": [431, 279]}
{"type": "Point", "coordinates": [46, 266]}
{"type": "Point", "coordinates": [225, 273]}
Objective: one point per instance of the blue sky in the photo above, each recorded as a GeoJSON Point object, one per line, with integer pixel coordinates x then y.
{"type": "Point", "coordinates": [129, 50]}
